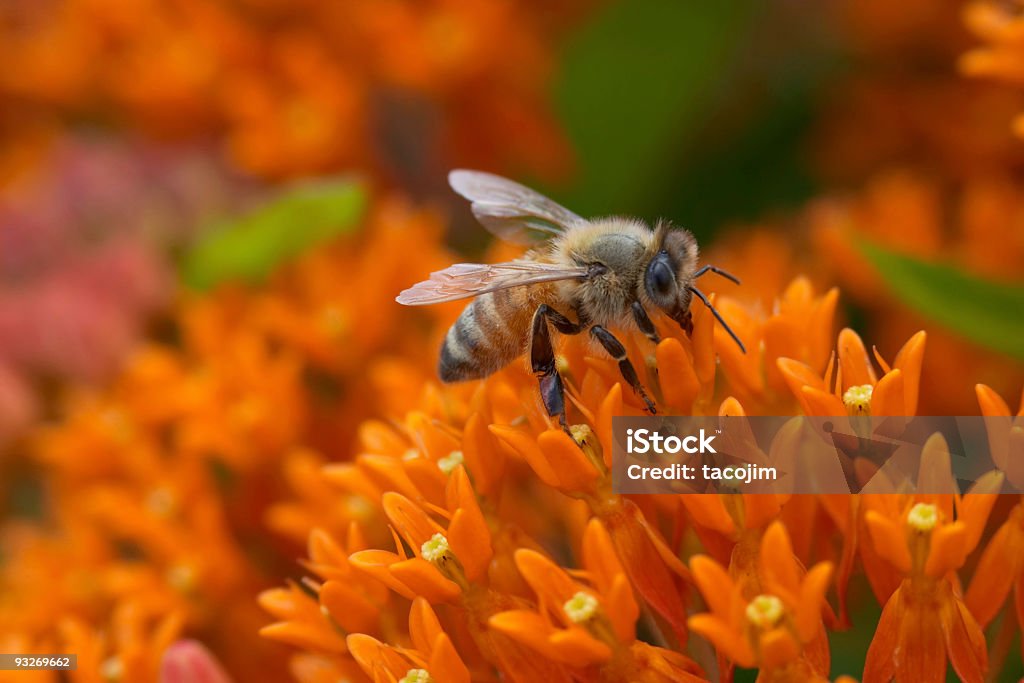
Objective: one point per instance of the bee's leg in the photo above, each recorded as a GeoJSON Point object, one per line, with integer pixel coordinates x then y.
{"type": "Point", "coordinates": [643, 321]}
{"type": "Point", "coordinates": [542, 359]}
{"type": "Point", "coordinates": [618, 352]}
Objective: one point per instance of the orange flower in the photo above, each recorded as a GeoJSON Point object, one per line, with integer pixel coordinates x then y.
{"type": "Point", "coordinates": [856, 389]}
{"type": "Point", "coordinates": [295, 89]}
{"type": "Point", "coordinates": [1002, 57]}
{"type": "Point", "coordinates": [589, 625]}
{"type": "Point", "coordinates": [431, 659]}
{"type": "Point", "coordinates": [447, 560]}
{"type": "Point", "coordinates": [799, 327]}
{"type": "Point", "coordinates": [1001, 566]}
{"type": "Point", "coordinates": [139, 635]}
{"type": "Point", "coordinates": [579, 466]}
{"type": "Point", "coordinates": [925, 539]}
{"type": "Point", "coordinates": [773, 620]}
{"type": "Point", "coordinates": [961, 221]}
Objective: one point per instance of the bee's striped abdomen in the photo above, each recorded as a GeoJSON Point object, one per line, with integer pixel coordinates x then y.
{"type": "Point", "coordinates": [488, 335]}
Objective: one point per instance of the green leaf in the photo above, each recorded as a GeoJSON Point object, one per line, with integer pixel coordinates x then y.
{"type": "Point", "coordinates": [635, 77]}
{"type": "Point", "coordinates": [988, 313]}
{"type": "Point", "coordinates": [249, 248]}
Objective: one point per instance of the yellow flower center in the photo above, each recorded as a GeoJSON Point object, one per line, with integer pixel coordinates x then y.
{"type": "Point", "coordinates": [416, 676]}
{"type": "Point", "coordinates": [448, 463]}
{"type": "Point", "coordinates": [587, 440]}
{"type": "Point", "coordinates": [765, 611]}
{"type": "Point", "coordinates": [923, 517]}
{"type": "Point", "coordinates": [435, 549]}
{"type": "Point", "coordinates": [580, 607]}
{"type": "Point", "coordinates": [858, 399]}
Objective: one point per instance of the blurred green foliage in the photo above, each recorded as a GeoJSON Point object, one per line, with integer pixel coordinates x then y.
{"type": "Point", "coordinates": [248, 248]}
{"type": "Point", "coordinates": [988, 313]}
{"type": "Point", "coordinates": [689, 111]}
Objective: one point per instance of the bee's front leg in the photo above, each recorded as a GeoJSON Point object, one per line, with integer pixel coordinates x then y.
{"type": "Point", "coordinates": [617, 351]}
{"type": "Point", "coordinates": [542, 359]}
{"type": "Point", "coordinates": [643, 321]}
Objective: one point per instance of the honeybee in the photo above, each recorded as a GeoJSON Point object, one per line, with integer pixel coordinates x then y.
{"type": "Point", "coordinates": [581, 275]}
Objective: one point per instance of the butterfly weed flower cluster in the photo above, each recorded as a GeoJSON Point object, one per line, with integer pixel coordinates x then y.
{"type": "Point", "coordinates": [481, 492]}
{"type": "Point", "coordinates": [159, 488]}
{"type": "Point", "coordinates": [292, 88]}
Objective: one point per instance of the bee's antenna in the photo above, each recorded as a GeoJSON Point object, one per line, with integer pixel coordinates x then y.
{"type": "Point", "coordinates": [718, 271]}
{"type": "Point", "coordinates": [718, 317]}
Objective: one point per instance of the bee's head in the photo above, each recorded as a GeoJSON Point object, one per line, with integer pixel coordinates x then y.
{"type": "Point", "coordinates": [669, 272]}
{"type": "Point", "coordinates": [669, 278]}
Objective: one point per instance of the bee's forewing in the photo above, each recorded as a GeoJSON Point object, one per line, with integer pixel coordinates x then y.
{"type": "Point", "coordinates": [464, 280]}
{"type": "Point", "coordinates": [512, 211]}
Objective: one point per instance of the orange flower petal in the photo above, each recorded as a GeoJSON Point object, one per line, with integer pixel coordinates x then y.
{"type": "Point", "coordinates": [527, 448]}
{"type": "Point", "coordinates": [778, 565]}
{"type": "Point", "coordinates": [305, 636]}
{"type": "Point", "coordinates": [968, 652]}
{"type": "Point", "coordinates": [374, 656]}
{"type": "Point", "coordinates": [888, 540]}
{"type": "Point", "coordinates": [548, 580]}
{"type": "Point", "coordinates": [574, 471]}
{"type": "Point", "coordinates": [974, 507]}
{"type": "Point", "coordinates": [424, 579]}
{"type": "Point", "coordinates": [815, 402]}
{"type": "Point", "coordinates": [777, 649]}
{"type": "Point", "coordinates": [992, 404]}
{"type": "Point", "coordinates": [999, 565]}
{"type": "Point", "coordinates": [526, 627]}
{"type": "Point", "coordinates": [704, 358]}
{"type": "Point", "coordinates": [483, 458]}
{"type": "Point", "coordinates": [648, 564]}
{"type": "Point", "coordinates": [622, 609]}
{"type": "Point", "coordinates": [445, 665]}
{"type": "Point", "coordinates": [576, 647]}
{"type": "Point", "coordinates": [731, 408]}
{"type": "Point", "coordinates": [732, 645]}
{"type": "Point", "coordinates": [424, 626]}
{"type": "Point", "coordinates": [376, 563]}
{"type": "Point", "coordinates": [880, 663]}
{"type": "Point", "coordinates": [889, 394]}
{"type": "Point", "coordinates": [910, 359]}
{"type": "Point", "coordinates": [610, 407]}
{"type": "Point", "coordinates": [708, 512]}
{"type": "Point", "coordinates": [718, 589]}
{"type": "Point", "coordinates": [599, 555]}
{"type": "Point", "coordinates": [676, 374]}
{"type": "Point", "coordinates": [409, 520]}
{"type": "Point", "coordinates": [854, 361]}
{"type": "Point", "coordinates": [760, 508]}
{"type": "Point", "coordinates": [347, 604]}
{"type": "Point", "coordinates": [468, 534]}
{"type": "Point", "coordinates": [798, 375]}
{"type": "Point", "coordinates": [812, 599]}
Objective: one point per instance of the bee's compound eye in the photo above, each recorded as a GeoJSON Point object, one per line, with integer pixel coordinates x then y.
{"type": "Point", "coordinates": [660, 280]}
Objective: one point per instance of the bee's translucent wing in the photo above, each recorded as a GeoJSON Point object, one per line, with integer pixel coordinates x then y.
{"type": "Point", "coordinates": [464, 280]}
{"type": "Point", "coordinates": [512, 211]}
